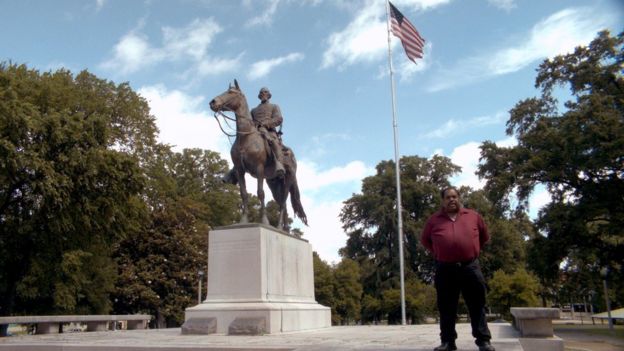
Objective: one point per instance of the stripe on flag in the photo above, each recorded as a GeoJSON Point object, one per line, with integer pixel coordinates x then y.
{"type": "Point", "coordinates": [401, 27]}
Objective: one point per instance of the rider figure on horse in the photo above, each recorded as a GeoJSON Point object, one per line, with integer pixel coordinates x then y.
{"type": "Point", "coordinates": [267, 117]}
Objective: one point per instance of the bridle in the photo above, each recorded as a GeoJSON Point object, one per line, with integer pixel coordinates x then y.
{"type": "Point", "coordinates": [227, 118]}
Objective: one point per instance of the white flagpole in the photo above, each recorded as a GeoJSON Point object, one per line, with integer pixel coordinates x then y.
{"type": "Point", "coordinates": [397, 168]}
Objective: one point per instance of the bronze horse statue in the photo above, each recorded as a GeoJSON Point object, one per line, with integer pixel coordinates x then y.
{"type": "Point", "coordinates": [251, 154]}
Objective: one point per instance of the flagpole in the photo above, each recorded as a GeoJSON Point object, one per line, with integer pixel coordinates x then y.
{"type": "Point", "coordinates": [397, 168]}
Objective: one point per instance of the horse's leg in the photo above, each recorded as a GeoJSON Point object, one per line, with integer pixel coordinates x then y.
{"type": "Point", "coordinates": [280, 221]}
{"type": "Point", "coordinates": [263, 216]}
{"type": "Point", "coordinates": [284, 218]}
{"type": "Point", "coordinates": [244, 196]}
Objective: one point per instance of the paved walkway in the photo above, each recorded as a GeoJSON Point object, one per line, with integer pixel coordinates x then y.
{"type": "Point", "coordinates": [395, 338]}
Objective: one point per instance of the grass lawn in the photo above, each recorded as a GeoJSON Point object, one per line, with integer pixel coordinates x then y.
{"type": "Point", "coordinates": [590, 329]}
{"type": "Point", "coordinates": [597, 337]}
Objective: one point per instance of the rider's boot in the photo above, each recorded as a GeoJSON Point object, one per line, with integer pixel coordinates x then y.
{"type": "Point", "coordinates": [280, 171]}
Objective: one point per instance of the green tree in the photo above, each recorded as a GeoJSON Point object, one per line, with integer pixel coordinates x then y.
{"type": "Point", "coordinates": [67, 192]}
{"type": "Point", "coordinates": [371, 309]}
{"type": "Point", "coordinates": [575, 150]}
{"type": "Point", "coordinates": [348, 291]}
{"type": "Point", "coordinates": [324, 285]}
{"type": "Point", "coordinates": [518, 289]}
{"type": "Point", "coordinates": [419, 302]}
{"type": "Point", "coordinates": [507, 247]}
{"type": "Point", "coordinates": [158, 267]}
{"type": "Point", "coordinates": [370, 220]}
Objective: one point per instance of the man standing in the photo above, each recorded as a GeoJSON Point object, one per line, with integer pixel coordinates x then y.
{"type": "Point", "coordinates": [455, 236]}
{"type": "Point", "coordinates": [268, 117]}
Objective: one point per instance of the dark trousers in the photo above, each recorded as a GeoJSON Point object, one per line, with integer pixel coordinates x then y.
{"type": "Point", "coordinates": [450, 280]}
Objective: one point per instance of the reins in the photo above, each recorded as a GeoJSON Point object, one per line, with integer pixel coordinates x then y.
{"type": "Point", "coordinates": [227, 118]}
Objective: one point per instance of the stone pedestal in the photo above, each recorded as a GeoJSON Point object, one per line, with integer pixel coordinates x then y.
{"type": "Point", "coordinates": [536, 330]}
{"type": "Point", "coordinates": [257, 273]}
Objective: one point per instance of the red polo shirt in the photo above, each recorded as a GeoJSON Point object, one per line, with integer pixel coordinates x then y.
{"type": "Point", "coordinates": [455, 241]}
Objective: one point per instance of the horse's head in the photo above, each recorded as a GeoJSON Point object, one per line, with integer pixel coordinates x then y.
{"type": "Point", "coordinates": [230, 100]}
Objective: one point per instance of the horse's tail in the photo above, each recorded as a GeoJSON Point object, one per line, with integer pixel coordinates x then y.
{"type": "Point", "coordinates": [295, 201]}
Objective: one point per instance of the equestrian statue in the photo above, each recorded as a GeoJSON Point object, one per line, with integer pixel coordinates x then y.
{"type": "Point", "coordinates": [258, 150]}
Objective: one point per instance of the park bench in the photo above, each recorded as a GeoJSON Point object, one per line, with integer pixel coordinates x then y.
{"type": "Point", "coordinates": [52, 324]}
{"type": "Point", "coordinates": [536, 329]}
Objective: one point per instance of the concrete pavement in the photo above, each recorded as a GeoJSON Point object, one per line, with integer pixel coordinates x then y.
{"type": "Point", "coordinates": [396, 338]}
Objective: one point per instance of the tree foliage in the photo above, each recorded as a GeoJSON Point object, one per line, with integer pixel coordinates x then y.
{"type": "Point", "coordinates": [370, 220]}
{"type": "Point", "coordinates": [339, 288]}
{"type": "Point", "coordinates": [324, 285]}
{"type": "Point", "coordinates": [348, 291]}
{"type": "Point", "coordinates": [575, 150]}
{"type": "Point", "coordinates": [158, 267]}
{"type": "Point", "coordinates": [94, 213]}
{"type": "Point", "coordinates": [66, 194]}
{"type": "Point", "coordinates": [518, 289]}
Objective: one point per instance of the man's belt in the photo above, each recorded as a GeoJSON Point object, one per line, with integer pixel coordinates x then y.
{"type": "Point", "coordinates": [456, 264]}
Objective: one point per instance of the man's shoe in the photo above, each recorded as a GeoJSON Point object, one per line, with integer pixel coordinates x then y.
{"type": "Point", "coordinates": [446, 346]}
{"type": "Point", "coordinates": [486, 346]}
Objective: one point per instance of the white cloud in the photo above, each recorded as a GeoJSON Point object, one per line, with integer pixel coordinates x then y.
{"type": "Point", "coordinates": [325, 232]}
{"type": "Point", "coordinates": [506, 5]}
{"type": "Point", "coordinates": [184, 120]}
{"type": "Point", "coordinates": [365, 38]}
{"type": "Point", "coordinates": [264, 67]}
{"type": "Point", "coordinates": [452, 127]}
{"type": "Point", "coordinates": [192, 41]}
{"type": "Point", "coordinates": [214, 66]}
{"type": "Point", "coordinates": [418, 5]}
{"type": "Point", "coordinates": [446, 129]}
{"type": "Point", "coordinates": [266, 18]}
{"type": "Point", "coordinates": [558, 34]}
{"type": "Point", "coordinates": [323, 193]}
{"type": "Point", "coordinates": [467, 157]}
{"type": "Point", "coordinates": [134, 52]}
{"type": "Point", "coordinates": [312, 180]}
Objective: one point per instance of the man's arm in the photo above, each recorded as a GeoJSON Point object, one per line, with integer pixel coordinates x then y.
{"type": "Point", "coordinates": [276, 118]}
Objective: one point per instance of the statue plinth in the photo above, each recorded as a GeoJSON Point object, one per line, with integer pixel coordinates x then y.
{"type": "Point", "coordinates": [257, 274]}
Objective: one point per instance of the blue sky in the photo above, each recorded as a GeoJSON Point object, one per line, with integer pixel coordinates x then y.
{"type": "Point", "coordinates": [326, 64]}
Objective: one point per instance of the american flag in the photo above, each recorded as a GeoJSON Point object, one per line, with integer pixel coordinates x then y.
{"type": "Point", "coordinates": [412, 42]}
